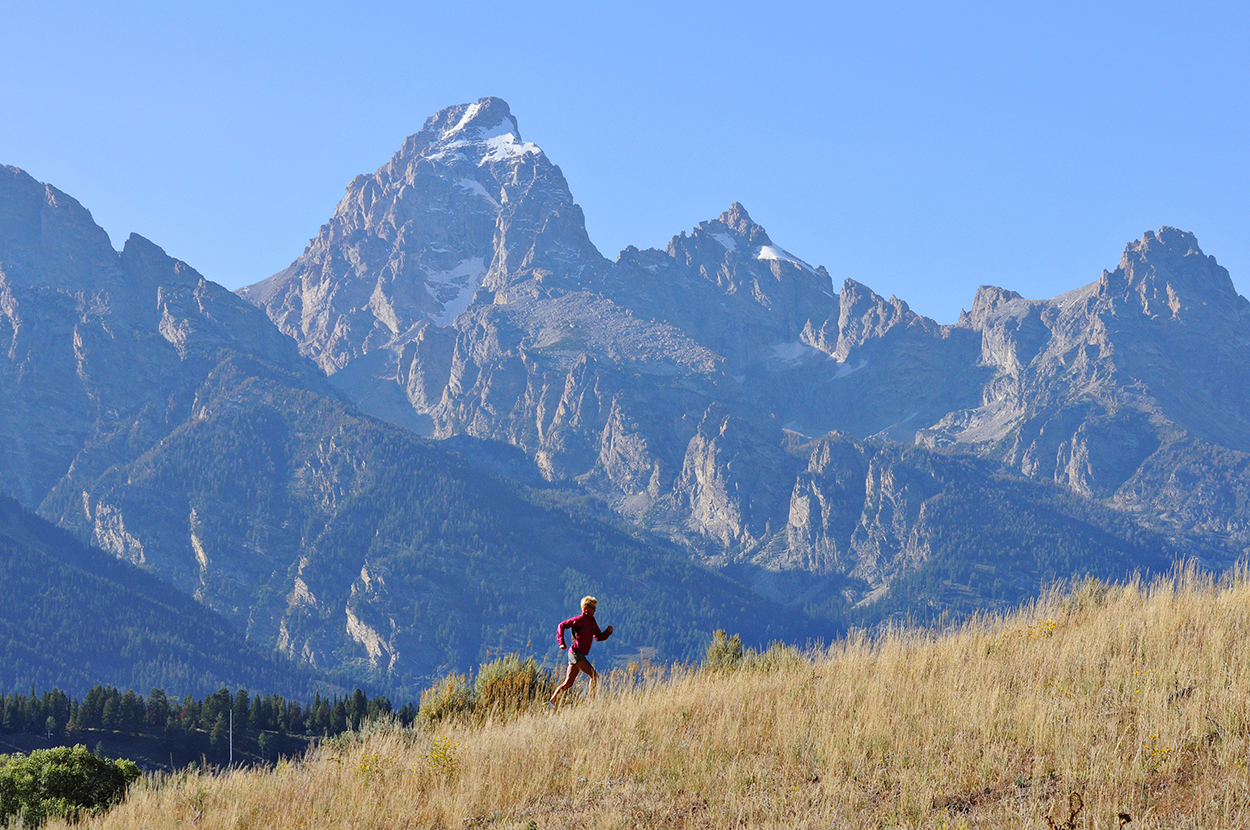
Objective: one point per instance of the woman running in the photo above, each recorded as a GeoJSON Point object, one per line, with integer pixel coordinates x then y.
{"type": "Point", "coordinates": [585, 632]}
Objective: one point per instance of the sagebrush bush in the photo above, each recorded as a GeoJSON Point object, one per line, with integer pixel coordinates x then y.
{"type": "Point", "coordinates": [504, 686]}
{"type": "Point", "coordinates": [448, 699]}
{"type": "Point", "coordinates": [510, 684]}
{"type": "Point", "coordinates": [724, 652]}
{"type": "Point", "coordinates": [776, 657]}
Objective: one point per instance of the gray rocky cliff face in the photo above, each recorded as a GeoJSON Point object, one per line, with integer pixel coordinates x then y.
{"type": "Point", "coordinates": [734, 481]}
{"type": "Point", "coordinates": [859, 510]}
{"type": "Point", "coordinates": [1100, 388]}
{"type": "Point", "coordinates": [1176, 328]}
{"type": "Point", "coordinates": [676, 384]}
{"type": "Point", "coordinates": [93, 337]}
{"type": "Point", "coordinates": [894, 372]}
{"type": "Point", "coordinates": [826, 505]}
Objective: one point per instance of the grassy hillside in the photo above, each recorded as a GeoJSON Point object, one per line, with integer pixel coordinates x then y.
{"type": "Point", "coordinates": [1083, 706]}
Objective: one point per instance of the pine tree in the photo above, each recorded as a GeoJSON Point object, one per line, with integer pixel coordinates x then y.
{"type": "Point", "coordinates": [219, 735]}
{"type": "Point", "coordinates": [111, 719]}
{"type": "Point", "coordinates": [158, 709]}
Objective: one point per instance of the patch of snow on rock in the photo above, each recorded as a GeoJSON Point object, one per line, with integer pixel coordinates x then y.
{"type": "Point", "coordinates": [794, 352]}
{"type": "Point", "coordinates": [726, 240]}
{"type": "Point", "coordinates": [506, 146]}
{"type": "Point", "coordinates": [454, 289]}
{"type": "Point", "coordinates": [846, 369]}
{"type": "Point", "coordinates": [476, 187]}
{"type": "Point", "coordinates": [470, 112]}
{"type": "Point", "coordinates": [773, 252]}
{"type": "Point", "coordinates": [503, 128]}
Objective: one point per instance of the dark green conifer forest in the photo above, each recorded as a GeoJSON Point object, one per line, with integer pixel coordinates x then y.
{"type": "Point", "coordinates": [159, 730]}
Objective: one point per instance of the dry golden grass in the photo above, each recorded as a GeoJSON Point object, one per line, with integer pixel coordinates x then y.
{"type": "Point", "coordinates": [1137, 698]}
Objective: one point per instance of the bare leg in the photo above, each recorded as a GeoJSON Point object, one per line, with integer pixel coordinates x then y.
{"type": "Point", "coordinates": [567, 684]}
{"type": "Point", "coordinates": [594, 678]}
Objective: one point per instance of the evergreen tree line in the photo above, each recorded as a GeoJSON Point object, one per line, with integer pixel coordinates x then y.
{"type": "Point", "coordinates": [259, 720]}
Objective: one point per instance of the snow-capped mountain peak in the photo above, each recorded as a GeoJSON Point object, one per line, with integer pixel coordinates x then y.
{"type": "Point", "coordinates": [465, 210]}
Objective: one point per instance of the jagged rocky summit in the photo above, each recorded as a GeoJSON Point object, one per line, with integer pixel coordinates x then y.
{"type": "Point", "coordinates": [722, 392]}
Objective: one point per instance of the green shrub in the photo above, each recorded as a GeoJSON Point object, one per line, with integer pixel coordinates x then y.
{"type": "Point", "coordinates": [509, 684]}
{"type": "Point", "coordinates": [63, 782]}
{"type": "Point", "coordinates": [451, 697]}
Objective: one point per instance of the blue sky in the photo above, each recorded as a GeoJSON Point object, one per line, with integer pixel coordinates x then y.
{"type": "Point", "coordinates": [923, 149]}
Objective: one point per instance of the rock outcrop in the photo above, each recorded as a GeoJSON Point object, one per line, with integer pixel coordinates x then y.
{"type": "Point", "coordinates": [1120, 386]}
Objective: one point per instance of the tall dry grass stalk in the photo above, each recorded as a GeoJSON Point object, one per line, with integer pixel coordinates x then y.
{"type": "Point", "coordinates": [1137, 698]}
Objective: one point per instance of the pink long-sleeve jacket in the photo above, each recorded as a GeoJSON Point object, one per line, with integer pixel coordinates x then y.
{"type": "Point", "coordinates": [585, 632]}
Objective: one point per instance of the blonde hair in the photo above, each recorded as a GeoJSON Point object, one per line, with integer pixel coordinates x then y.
{"type": "Point", "coordinates": [589, 602]}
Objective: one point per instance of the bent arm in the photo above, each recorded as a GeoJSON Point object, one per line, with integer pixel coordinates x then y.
{"type": "Point", "coordinates": [560, 631]}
